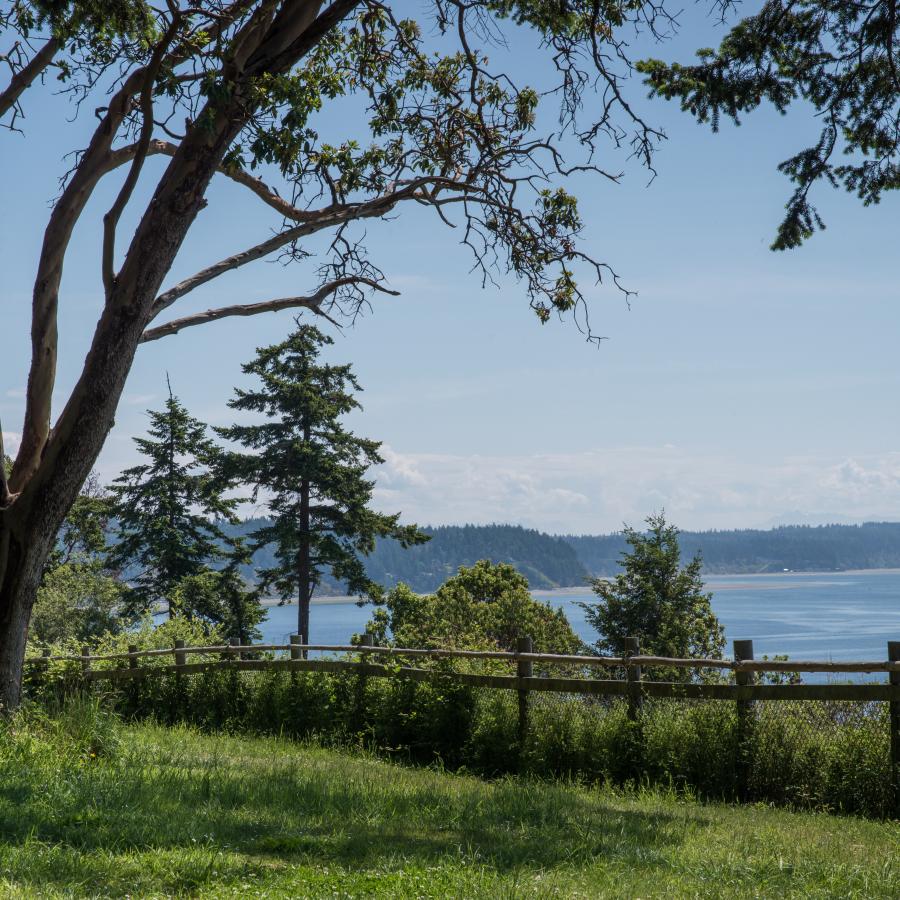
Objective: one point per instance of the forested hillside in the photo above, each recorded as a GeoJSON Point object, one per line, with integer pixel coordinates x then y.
{"type": "Point", "coordinates": [799, 548]}
{"type": "Point", "coordinates": [568, 561]}
{"type": "Point", "coordinates": [547, 562]}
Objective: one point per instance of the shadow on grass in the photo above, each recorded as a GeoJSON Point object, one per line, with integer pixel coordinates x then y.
{"type": "Point", "coordinates": [246, 808]}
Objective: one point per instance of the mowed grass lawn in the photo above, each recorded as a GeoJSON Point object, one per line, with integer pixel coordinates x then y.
{"type": "Point", "coordinates": [113, 810]}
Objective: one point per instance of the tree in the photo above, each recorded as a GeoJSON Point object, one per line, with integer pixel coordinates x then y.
{"type": "Point", "coordinates": [312, 470]}
{"type": "Point", "coordinates": [442, 130]}
{"type": "Point", "coordinates": [78, 601]}
{"type": "Point", "coordinates": [222, 599]}
{"type": "Point", "coordinates": [485, 606]}
{"type": "Point", "coordinates": [246, 79]}
{"type": "Point", "coordinates": [839, 57]}
{"type": "Point", "coordinates": [80, 597]}
{"type": "Point", "coordinates": [656, 599]}
{"type": "Point", "coordinates": [167, 510]}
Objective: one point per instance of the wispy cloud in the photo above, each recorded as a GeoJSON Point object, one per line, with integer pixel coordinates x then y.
{"type": "Point", "coordinates": [11, 441]}
{"type": "Point", "coordinates": [599, 490]}
{"type": "Point", "coordinates": [138, 399]}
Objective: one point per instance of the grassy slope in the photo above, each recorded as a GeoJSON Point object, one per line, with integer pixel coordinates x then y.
{"type": "Point", "coordinates": [168, 811]}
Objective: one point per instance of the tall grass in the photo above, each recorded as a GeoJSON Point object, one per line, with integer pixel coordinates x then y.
{"type": "Point", "coordinates": [92, 807]}
{"type": "Point", "coordinates": [814, 755]}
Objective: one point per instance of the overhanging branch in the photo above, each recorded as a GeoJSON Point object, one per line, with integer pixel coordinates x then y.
{"type": "Point", "coordinates": [312, 302]}
{"type": "Point", "coordinates": [25, 77]}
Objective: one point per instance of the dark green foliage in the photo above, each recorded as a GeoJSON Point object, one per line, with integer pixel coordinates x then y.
{"type": "Point", "coordinates": [486, 606]}
{"type": "Point", "coordinates": [224, 599]}
{"type": "Point", "coordinates": [656, 600]}
{"type": "Point", "coordinates": [168, 509]}
{"type": "Point", "coordinates": [312, 470]}
{"type": "Point", "coordinates": [547, 562]}
{"type": "Point", "coordinates": [839, 57]}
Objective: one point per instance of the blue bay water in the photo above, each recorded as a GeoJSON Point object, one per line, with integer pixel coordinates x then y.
{"type": "Point", "coordinates": [834, 616]}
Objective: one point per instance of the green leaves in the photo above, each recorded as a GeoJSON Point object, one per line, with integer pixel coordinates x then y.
{"type": "Point", "coordinates": [840, 58]}
{"type": "Point", "coordinates": [310, 469]}
{"type": "Point", "coordinates": [166, 509]}
{"type": "Point", "coordinates": [656, 600]}
{"type": "Point", "coordinates": [484, 606]}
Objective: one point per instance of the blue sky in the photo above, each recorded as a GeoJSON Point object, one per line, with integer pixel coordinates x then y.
{"type": "Point", "coordinates": [742, 388]}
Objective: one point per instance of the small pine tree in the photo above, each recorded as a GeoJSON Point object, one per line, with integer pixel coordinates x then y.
{"type": "Point", "coordinates": [656, 600]}
{"type": "Point", "coordinates": [312, 471]}
{"type": "Point", "coordinates": [167, 508]}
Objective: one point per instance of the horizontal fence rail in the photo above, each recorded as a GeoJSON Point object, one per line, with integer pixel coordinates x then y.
{"type": "Point", "coordinates": [740, 665]}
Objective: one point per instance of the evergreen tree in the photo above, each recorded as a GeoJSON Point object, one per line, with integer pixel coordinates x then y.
{"type": "Point", "coordinates": [656, 600]}
{"type": "Point", "coordinates": [167, 510]}
{"type": "Point", "coordinates": [223, 598]}
{"type": "Point", "coordinates": [312, 471]}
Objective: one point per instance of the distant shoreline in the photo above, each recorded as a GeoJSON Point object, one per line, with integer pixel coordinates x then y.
{"type": "Point", "coordinates": [563, 591]}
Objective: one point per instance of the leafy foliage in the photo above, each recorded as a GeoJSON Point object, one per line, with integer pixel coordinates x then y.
{"type": "Point", "coordinates": [312, 470]}
{"type": "Point", "coordinates": [77, 600]}
{"type": "Point", "coordinates": [223, 599]}
{"type": "Point", "coordinates": [80, 596]}
{"type": "Point", "coordinates": [839, 57]}
{"type": "Point", "coordinates": [656, 600]}
{"type": "Point", "coordinates": [167, 509]}
{"type": "Point", "coordinates": [486, 606]}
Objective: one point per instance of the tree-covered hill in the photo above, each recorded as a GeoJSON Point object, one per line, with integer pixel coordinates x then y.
{"type": "Point", "coordinates": [547, 562]}
{"type": "Point", "coordinates": [570, 560]}
{"type": "Point", "coordinates": [799, 548]}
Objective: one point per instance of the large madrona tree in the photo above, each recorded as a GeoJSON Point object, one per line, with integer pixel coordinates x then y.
{"type": "Point", "coordinates": [225, 87]}
{"type": "Point", "coordinates": [232, 89]}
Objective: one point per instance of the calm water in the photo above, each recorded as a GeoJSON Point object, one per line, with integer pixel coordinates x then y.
{"type": "Point", "coordinates": [837, 616]}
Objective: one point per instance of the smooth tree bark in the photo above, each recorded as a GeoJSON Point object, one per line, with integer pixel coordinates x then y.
{"type": "Point", "coordinates": [52, 465]}
{"type": "Point", "coordinates": [443, 129]}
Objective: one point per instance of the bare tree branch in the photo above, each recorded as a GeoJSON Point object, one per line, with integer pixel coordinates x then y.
{"type": "Point", "coordinates": [312, 302]}
{"type": "Point", "coordinates": [111, 219]}
{"type": "Point", "coordinates": [327, 217]}
{"type": "Point", "coordinates": [25, 77]}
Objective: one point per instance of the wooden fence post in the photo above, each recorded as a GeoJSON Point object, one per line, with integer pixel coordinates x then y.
{"type": "Point", "coordinates": [524, 669]}
{"type": "Point", "coordinates": [234, 642]}
{"type": "Point", "coordinates": [42, 668]}
{"type": "Point", "coordinates": [633, 675]}
{"type": "Point", "coordinates": [85, 659]}
{"type": "Point", "coordinates": [296, 641]}
{"type": "Point", "coordinates": [133, 660]}
{"type": "Point", "coordinates": [894, 678]}
{"type": "Point", "coordinates": [743, 650]}
{"type": "Point", "coordinates": [180, 655]}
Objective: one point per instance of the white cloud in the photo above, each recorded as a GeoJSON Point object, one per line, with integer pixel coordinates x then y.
{"type": "Point", "coordinates": [16, 393]}
{"type": "Point", "coordinates": [138, 399]}
{"type": "Point", "coordinates": [596, 491]}
{"type": "Point", "coordinates": [11, 442]}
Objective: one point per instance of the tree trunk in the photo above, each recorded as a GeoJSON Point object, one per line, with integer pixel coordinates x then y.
{"type": "Point", "coordinates": [304, 579]}
{"type": "Point", "coordinates": [20, 573]}
{"type": "Point", "coordinates": [52, 465]}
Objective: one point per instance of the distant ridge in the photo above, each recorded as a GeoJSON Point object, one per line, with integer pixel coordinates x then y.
{"type": "Point", "coordinates": [555, 561]}
{"type": "Point", "coordinates": [797, 548]}
{"type": "Point", "coordinates": [546, 561]}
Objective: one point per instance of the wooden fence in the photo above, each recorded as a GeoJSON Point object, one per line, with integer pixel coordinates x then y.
{"type": "Point", "coordinates": [368, 660]}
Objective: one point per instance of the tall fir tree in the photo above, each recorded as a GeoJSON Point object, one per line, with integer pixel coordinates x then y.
{"type": "Point", "coordinates": [657, 600]}
{"type": "Point", "coordinates": [311, 470]}
{"type": "Point", "coordinates": [167, 510]}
